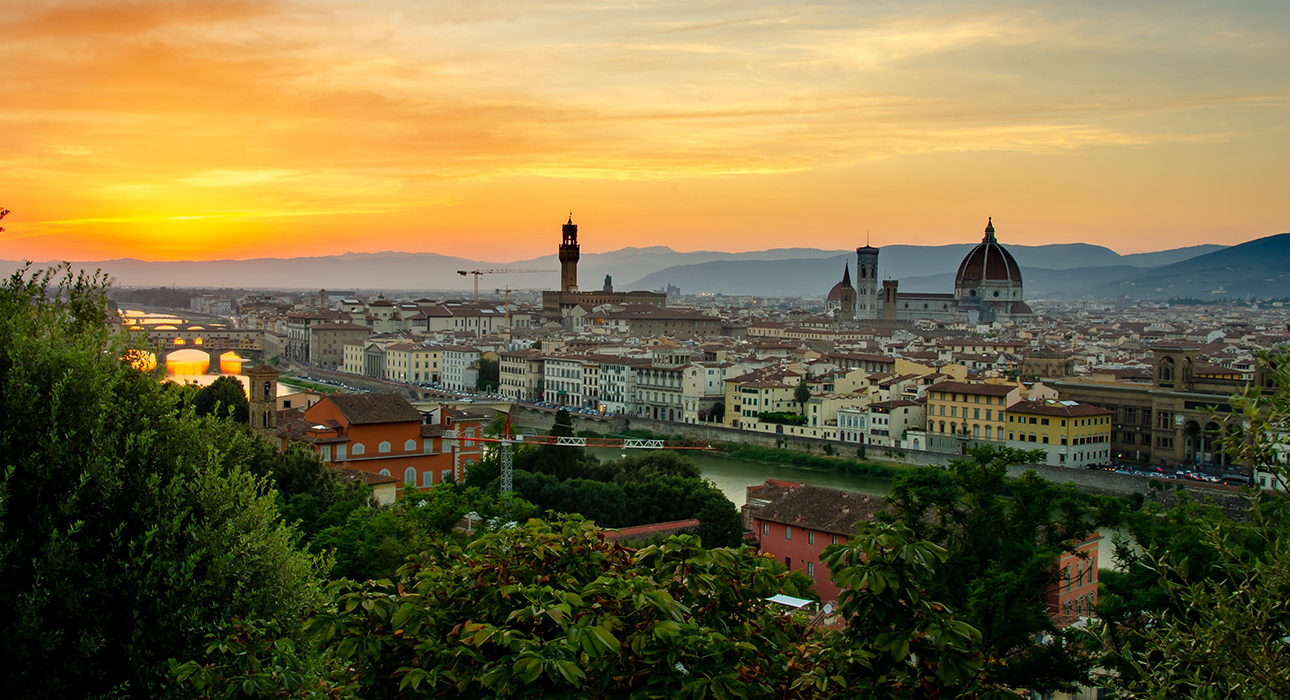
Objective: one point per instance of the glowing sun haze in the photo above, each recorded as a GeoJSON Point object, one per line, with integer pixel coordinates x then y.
{"type": "Point", "coordinates": [246, 128]}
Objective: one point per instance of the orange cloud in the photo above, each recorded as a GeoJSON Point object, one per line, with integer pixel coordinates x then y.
{"type": "Point", "coordinates": [232, 129]}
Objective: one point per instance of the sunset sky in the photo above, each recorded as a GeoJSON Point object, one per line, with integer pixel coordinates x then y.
{"type": "Point", "coordinates": [247, 128]}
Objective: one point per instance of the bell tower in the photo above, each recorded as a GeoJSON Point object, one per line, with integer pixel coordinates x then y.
{"type": "Point", "coordinates": [846, 298]}
{"type": "Point", "coordinates": [867, 282]}
{"type": "Point", "coordinates": [569, 257]}
{"type": "Point", "coordinates": [263, 400]}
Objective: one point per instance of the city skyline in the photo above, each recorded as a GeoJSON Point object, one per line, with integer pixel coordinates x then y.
{"type": "Point", "coordinates": [233, 130]}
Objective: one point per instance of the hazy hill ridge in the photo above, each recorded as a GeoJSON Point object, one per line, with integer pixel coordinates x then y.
{"type": "Point", "coordinates": [1058, 270]}
{"type": "Point", "coordinates": [1050, 270]}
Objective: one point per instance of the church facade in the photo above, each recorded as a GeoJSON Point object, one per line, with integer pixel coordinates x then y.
{"type": "Point", "coordinates": [987, 289]}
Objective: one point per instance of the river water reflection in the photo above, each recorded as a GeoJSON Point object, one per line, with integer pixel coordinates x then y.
{"type": "Point", "coordinates": [734, 476]}
{"type": "Point", "coordinates": [206, 379]}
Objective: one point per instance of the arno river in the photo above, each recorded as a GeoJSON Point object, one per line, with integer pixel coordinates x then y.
{"type": "Point", "coordinates": [734, 476]}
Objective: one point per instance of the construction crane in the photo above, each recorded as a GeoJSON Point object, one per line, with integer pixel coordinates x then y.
{"type": "Point", "coordinates": [508, 438]}
{"type": "Point", "coordinates": [507, 301]}
{"type": "Point", "coordinates": [477, 274]}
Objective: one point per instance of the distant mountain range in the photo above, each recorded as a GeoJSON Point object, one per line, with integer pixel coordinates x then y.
{"type": "Point", "coordinates": [1050, 271]}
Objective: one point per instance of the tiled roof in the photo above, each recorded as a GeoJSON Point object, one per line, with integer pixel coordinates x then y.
{"type": "Point", "coordinates": [363, 409]}
{"type": "Point", "coordinates": [338, 326]}
{"type": "Point", "coordinates": [366, 477]}
{"type": "Point", "coordinates": [978, 389]}
{"type": "Point", "coordinates": [1044, 408]}
{"type": "Point", "coordinates": [826, 510]}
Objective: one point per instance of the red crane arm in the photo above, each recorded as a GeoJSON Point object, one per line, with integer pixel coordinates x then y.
{"type": "Point", "coordinates": [631, 443]}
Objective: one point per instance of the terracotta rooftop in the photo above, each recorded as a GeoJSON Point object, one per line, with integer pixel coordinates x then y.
{"type": "Point", "coordinates": [365, 477]}
{"type": "Point", "coordinates": [1045, 408]}
{"type": "Point", "coordinates": [814, 507]}
{"type": "Point", "coordinates": [364, 409]}
{"type": "Point", "coordinates": [978, 389]}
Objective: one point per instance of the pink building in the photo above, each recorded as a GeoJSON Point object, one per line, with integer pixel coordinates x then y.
{"type": "Point", "coordinates": [1075, 592]}
{"type": "Point", "coordinates": [794, 523]}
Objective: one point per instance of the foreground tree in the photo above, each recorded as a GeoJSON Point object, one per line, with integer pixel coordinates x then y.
{"type": "Point", "coordinates": [900, 640]}
{"type": "Point", "coordinates": [1200, 611]}
{"type": "Point", "coordinates": [552, 609]}
{"type": "Point", "coordinates": [549, 609]}
{"type": "Point", "coordinates": [373, 543]}
{"type": "Point", "coordinates": [1003, 539]}
{"type": "Point", "coordinates": [128, 526]}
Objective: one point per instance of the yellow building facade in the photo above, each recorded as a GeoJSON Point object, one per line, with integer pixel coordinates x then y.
{"type": "Point", "coordinates": [974, 412]}
{"type": "Point", "coordinates": [1072, 434]}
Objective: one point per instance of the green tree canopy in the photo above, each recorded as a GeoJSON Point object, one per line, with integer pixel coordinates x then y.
{"type": "Point", "coordinates": [128, 525]}
{"type": "Point", "coordinates": [553, 609]}
{"type": "Point", "coordinates": [489, 375]}
{"type": "Point", "coordinates": [1003, 539]}
{"type": "Point", "coordinates": [225, 397]}
{"type": "Point", "coordinates": [372, 543]}
{"type": "Point", "coordinates": [802, 394]}
{"type": "Point", "coordinates": [1200, 608]}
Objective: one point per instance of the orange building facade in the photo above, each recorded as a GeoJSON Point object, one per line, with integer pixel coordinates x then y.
{"type": "Point", "coordinates": [794, 522]}
{"type": "Point", "coordinates": [1075, 591]}
{"type": "Point", "coordinates": [383, 434]}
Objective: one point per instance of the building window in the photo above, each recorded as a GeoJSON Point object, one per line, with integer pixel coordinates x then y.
{"type": "Point", "coordinates": [810, 537]}
{"type": "Point", "coordinates": [765, 528]}
{"type": "Point", "coordinates": [340, 453]}
{"type": "Point", "coordinates": [410, 445]}
{"type": "Point", "coordinates": [384, 472]}
{"type": "Point", "coordinates": [427, 479]}
{"type": "Point", "coordinates": [359, 450]}
{"type": "Point", "coordinates": [835, 539]}
{"type": "Point", "coordinates": [410, 476]}
{"type": "Point", "coordinates": [788, 532]}
{"type": "Point", "coordinates": [384, 447]}
{"type": "Point", "coordinates": [810, 569]}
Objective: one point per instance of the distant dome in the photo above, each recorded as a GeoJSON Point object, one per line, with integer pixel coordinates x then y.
{"type": "Point", "coordinates": [989, 261]}
{"type": "Point", "coordinates": [1021, 308]}
{"type": "Point", "coordinates": [835, 294]}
